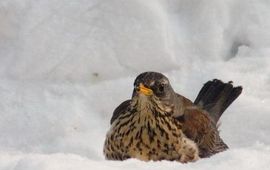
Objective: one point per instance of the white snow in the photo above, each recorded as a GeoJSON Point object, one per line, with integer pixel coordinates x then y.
{"type": "Point", "coordinates": [65, 65]}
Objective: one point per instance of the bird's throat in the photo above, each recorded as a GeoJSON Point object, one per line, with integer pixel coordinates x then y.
{"type": "Point", "coordinates": [146, 108]}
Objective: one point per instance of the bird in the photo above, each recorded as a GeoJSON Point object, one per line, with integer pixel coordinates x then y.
{"type": "Point", "coordinates": [159, 124]}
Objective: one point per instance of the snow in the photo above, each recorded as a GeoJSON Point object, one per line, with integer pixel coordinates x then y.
{"type": "Point", "coordinates": [65, 65]}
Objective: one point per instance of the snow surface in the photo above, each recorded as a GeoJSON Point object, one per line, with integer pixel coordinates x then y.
{"type": "Point", "coordinates": [65, 65]}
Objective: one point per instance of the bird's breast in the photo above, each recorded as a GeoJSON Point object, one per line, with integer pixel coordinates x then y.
{"type": "Point", "coordinates": [144, 133]}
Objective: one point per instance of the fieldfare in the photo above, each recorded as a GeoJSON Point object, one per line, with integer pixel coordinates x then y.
{"type": "Point", "coordinates": [159, 124]}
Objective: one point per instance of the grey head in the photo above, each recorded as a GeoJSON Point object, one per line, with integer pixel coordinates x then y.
{"type": "Point", "coordinates": [154, 88]}
{"type": "Point", "coordinates": [151, 88]}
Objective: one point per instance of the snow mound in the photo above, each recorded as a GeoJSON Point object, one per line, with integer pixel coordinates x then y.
{"type": "Point", "coordinates": [65, 66]}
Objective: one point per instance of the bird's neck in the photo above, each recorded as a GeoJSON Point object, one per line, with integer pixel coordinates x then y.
{"type": "Point", "coordinates": [146, 109]}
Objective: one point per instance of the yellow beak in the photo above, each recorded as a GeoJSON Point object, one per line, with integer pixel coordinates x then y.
{"type": "Point", "coordinates": [144, 90]}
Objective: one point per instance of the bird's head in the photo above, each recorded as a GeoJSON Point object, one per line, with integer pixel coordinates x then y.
{"type": "Point", "coordinates": [152, 88]}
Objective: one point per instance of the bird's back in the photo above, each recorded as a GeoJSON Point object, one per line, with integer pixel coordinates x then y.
{"type": "Point", "coordinates": [200, 118]}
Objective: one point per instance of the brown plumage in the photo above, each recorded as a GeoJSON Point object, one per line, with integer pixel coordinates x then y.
{"type": "Point", "coordinates": [200, 119]}
{"type": "Point", "coordinates": [159, 124]}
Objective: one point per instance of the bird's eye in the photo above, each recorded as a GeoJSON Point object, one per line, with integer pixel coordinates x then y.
{"type": "Point", "coordinates": [161, 87]}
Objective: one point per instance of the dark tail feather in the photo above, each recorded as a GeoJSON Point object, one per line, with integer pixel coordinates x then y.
{"type": "Point", "coordinates": [215, 97]}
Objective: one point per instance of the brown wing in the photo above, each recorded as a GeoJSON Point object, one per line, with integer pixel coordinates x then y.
{"type": "Point", "coordinates": [122, 108]}
{"type": "Point", "coordinates": [199, 127]}
{"type": "Point", "coordinates": [200, 118]}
